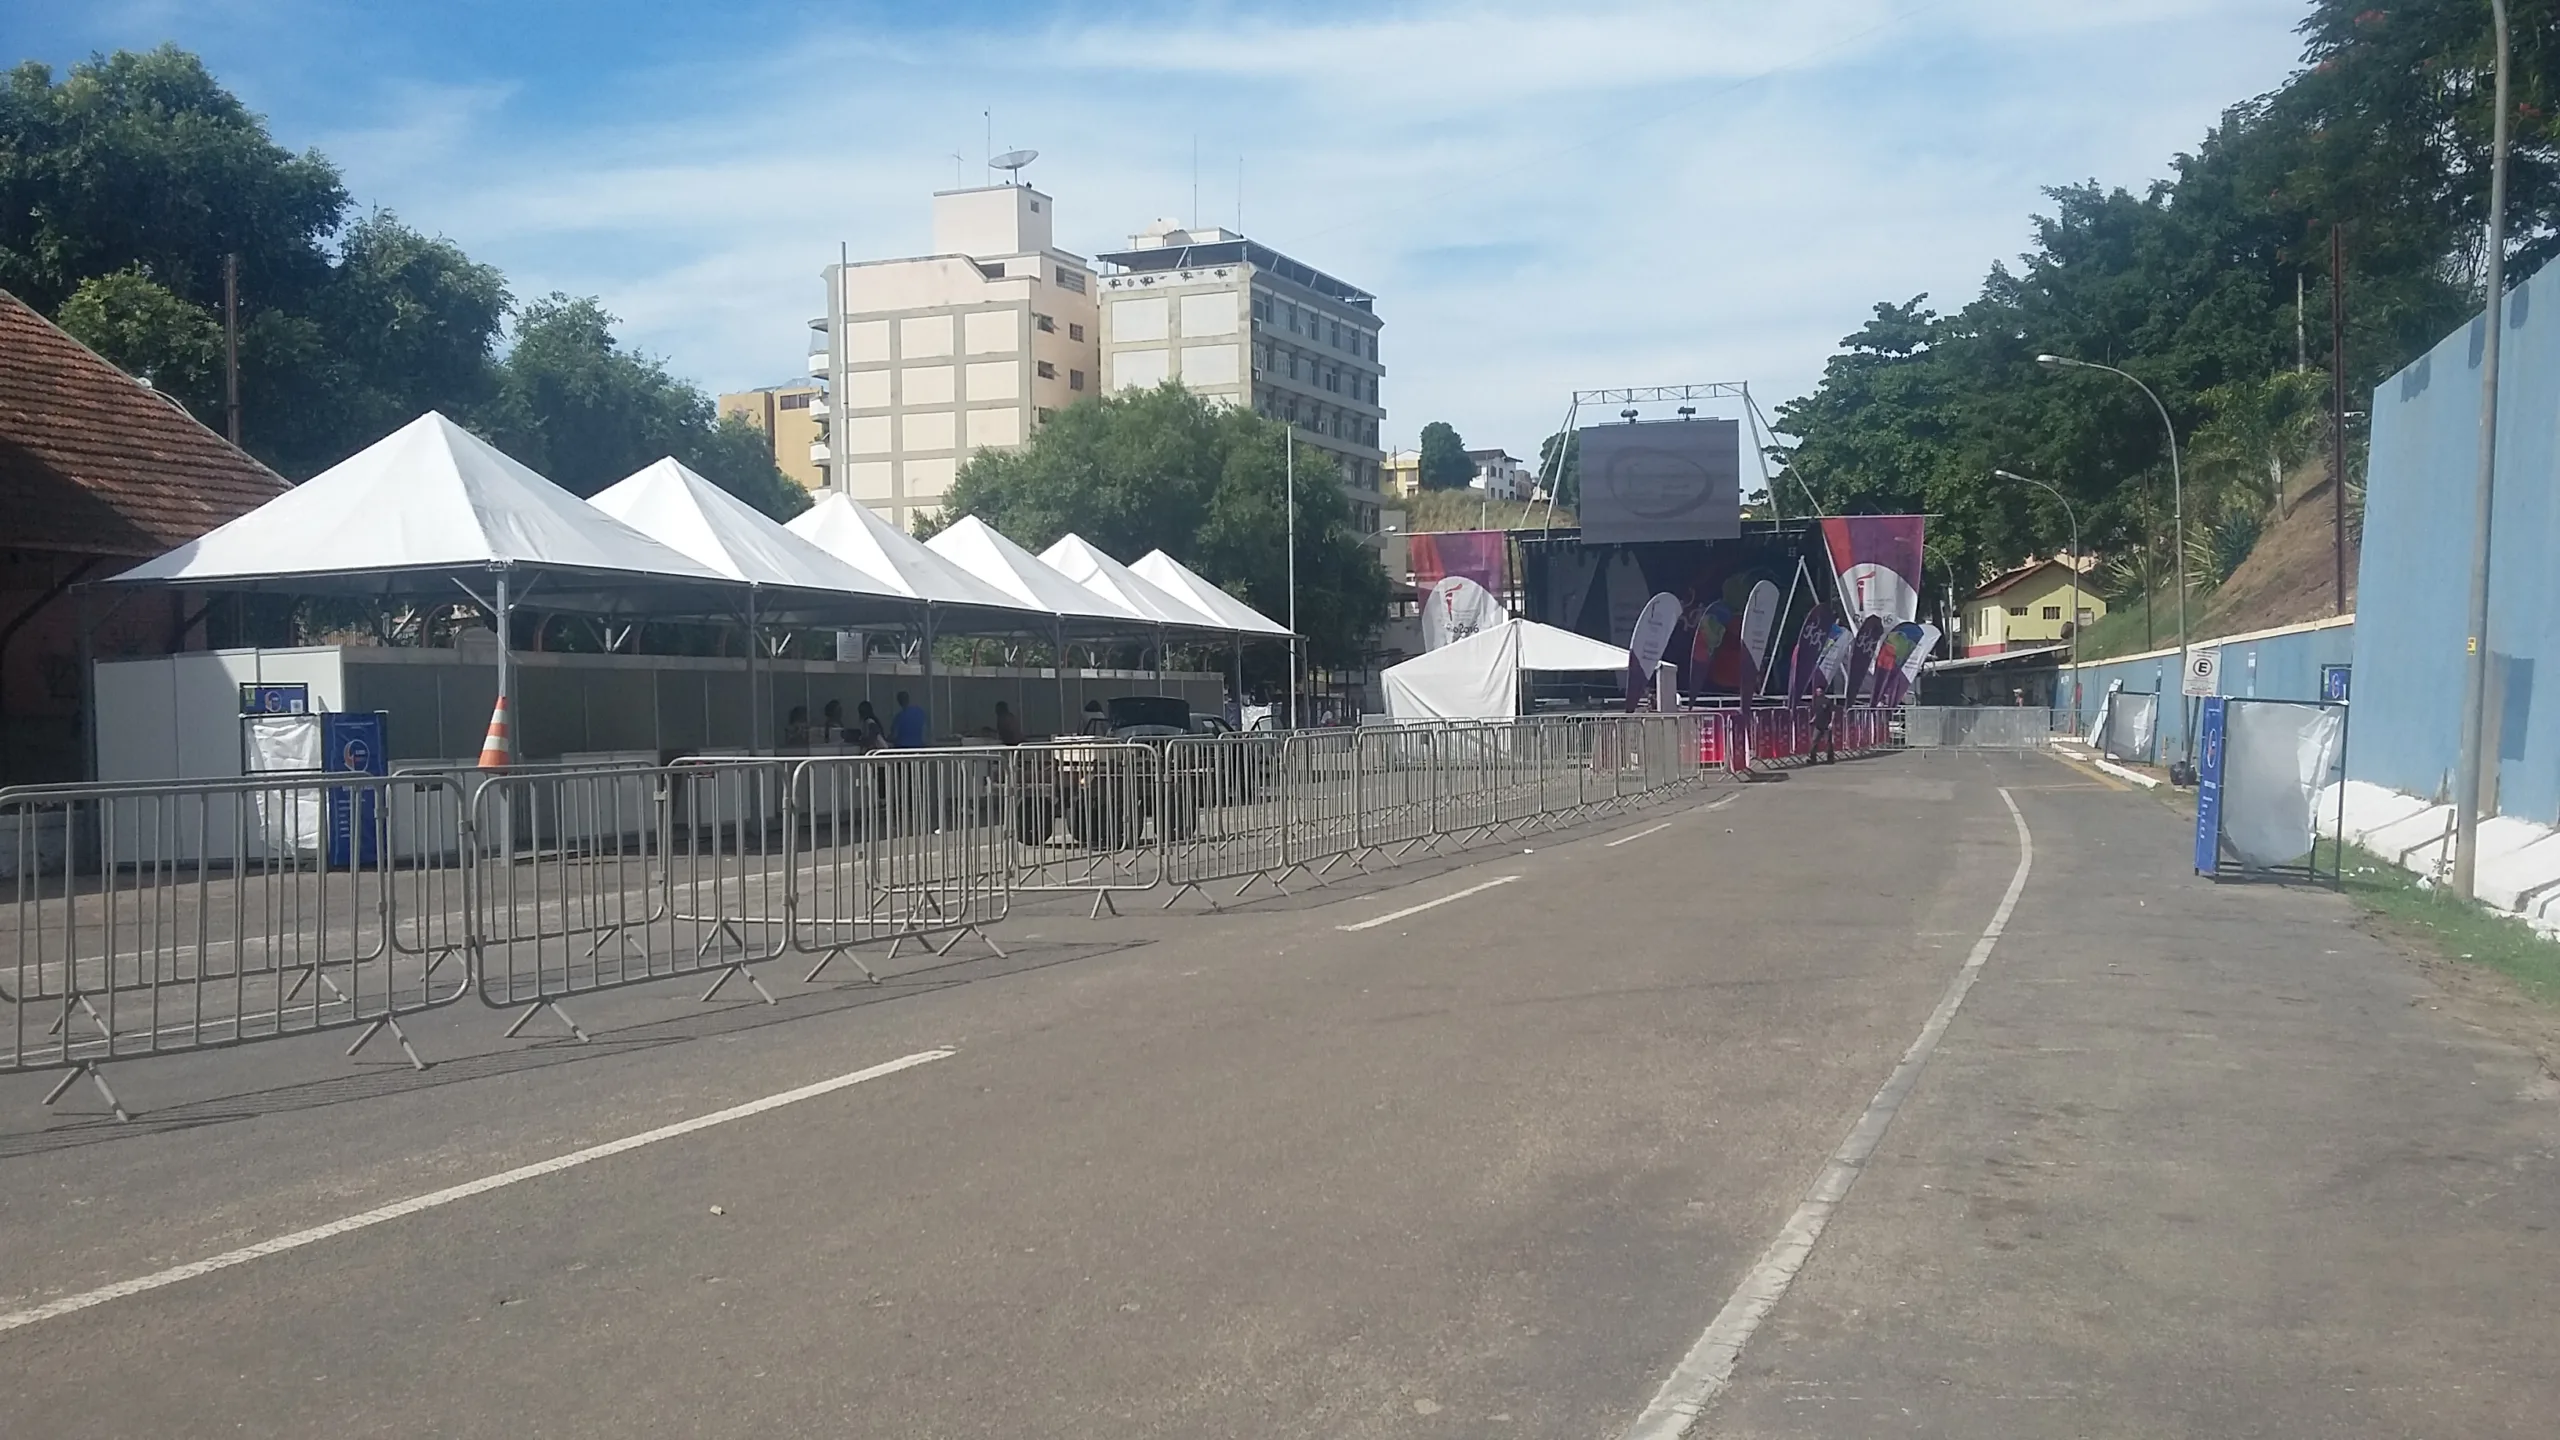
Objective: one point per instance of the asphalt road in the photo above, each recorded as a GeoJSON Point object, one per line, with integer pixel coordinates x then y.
{"type": "Point", "coordinates": [1486, 1169]}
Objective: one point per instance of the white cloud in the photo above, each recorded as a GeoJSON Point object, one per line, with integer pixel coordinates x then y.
{"type": "Point", "coordinates": [1630, 194]}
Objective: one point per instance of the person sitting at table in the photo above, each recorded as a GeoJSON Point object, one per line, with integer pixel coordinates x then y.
{"type": "Point", "coordinates": [795, 729]}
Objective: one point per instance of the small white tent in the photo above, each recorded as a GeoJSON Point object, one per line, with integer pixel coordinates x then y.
{"type": "Point", "coordinates": [673, 505]}
{"type": "Point", "coordinates": [1478, 678]}
{"type": "Point", "coordinates": [1184, 584]}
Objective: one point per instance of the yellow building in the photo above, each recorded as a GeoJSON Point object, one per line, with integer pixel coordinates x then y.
{"type": "Point", "coordinates": [789, 414]}
{"type": "Point", "coordinates": [2027, 607]}
{"type": "Point", "coordinates": [1400, 474]}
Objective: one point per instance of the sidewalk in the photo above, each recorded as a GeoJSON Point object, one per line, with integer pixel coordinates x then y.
{"type": "Point", "coordinates": [2192, 1161]}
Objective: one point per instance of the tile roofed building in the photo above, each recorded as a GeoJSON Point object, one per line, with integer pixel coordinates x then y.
{"type": "Point", "coordinates": [97, 472]}
{"type": "Point", "coordinates": [93, 462]}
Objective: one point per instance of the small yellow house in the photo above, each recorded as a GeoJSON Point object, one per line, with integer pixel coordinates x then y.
{"type": "Point", "coordinates": [2027, 607]}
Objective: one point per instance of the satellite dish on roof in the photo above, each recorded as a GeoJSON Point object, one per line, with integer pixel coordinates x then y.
{"type": "Point", "coordinates": [1011, 163]}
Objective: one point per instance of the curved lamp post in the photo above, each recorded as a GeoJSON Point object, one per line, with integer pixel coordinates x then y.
{"type": "Point", "coordinates": [2074, 517]}
{"type": "Point", "coordinates": [2177, 499]}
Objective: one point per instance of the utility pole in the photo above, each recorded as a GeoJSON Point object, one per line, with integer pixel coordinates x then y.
{"type": "Point", "coordinates": [2338, 407]}
{"type": "Point", "coordinates": [231, 344]}
{"type": "Point", "coordinates": [2475, 660]}
{"type": "Point", "coordinates": [2301, 339]}
{"type": "Point", "coordinates": [1292, 471]}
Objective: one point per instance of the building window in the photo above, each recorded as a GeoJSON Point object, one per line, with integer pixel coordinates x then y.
{"type": "Point", "coordinates": [1075, 379]}
{"type": "Point", "coordinates": [1074, 331]}
{"type": "Point", "coordinates": [795, 402]}
{"type": "Point", "coordinates": [1291, 312]}
{"type": "Point", "coordinates": [1070, 280]}
{"type": "Point", "coordinates": [1046, 324]}
{"type": "Point", "coordinates": [1050, 372]}
{"type": "Point", "coordinates": [2053, 612]}
{"type": "Point", "coordinates": [2018, 612]}
{"type": "Point", "coordinates": [1262, 308]}
{"type": "Point", "coordinates": [1333, 335]}
{"type": "Point", "coordinates": [1289, 410]}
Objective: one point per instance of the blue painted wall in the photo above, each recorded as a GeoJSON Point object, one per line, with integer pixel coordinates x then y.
{"type": "Point", "coordinates": [2415, 575]}
{"type": "Point", "coordinates": [2275, 665]}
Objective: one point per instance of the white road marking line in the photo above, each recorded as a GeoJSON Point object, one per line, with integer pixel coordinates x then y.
{"type": "Point", "coordinates": [1629, 839]}
{"type": "Point", "coordinates": [1704, 1372]}
{"type": "Point", "coordinates": [1729, 799]}
{"type": "Point", "coordinates": [401, 1208]}
{"type": "Point", "coordinates": [1394, 915]}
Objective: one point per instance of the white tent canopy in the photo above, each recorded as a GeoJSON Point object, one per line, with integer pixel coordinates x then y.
{"type": "Point", "coordinates": [974, 546]}
{"type": "Point", "coordinates": [677, 507]}
{"type": "Point", "coordinates": [429, 505]}
{"type": "Point", "coordinates": [1180, 581]}
{"type": "Point", "coordinates": [1478, 678]}
{"type": "Point", "coordinates": [1081, 561]}
{"type": "Point", "coordinates": [859, 537]}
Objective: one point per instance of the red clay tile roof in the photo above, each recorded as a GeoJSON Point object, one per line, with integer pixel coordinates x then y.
{"type": "Point", "coordinates": [94, 463]}
{"type": "Point", "coordinates": [2000, 583]}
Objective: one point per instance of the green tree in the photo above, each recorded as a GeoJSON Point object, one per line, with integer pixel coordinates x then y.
{"type": "Point", "coordinates": [576, 406]}
{"type": "Point", "coordinates": [138, 325]}
{"type": "Point", "coordinates": [1207, 484]}
{"type": "Point", "coordinates": [1444, 463]}
{"type": "Point", "coordinates": [1564, 479]}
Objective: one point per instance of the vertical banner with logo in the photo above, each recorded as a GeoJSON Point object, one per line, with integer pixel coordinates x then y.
{"type": "Point", "coordinates": [1877, 560]}
{"type": "Point", "coordinates": [2209, 748]}
{"type": "Point", "coordinates": [352, 743]}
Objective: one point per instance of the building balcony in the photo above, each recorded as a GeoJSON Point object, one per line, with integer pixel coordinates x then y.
{"type": "Point", "coordinates": [818, 362]}
{"type": "Point", "coordinates": [818, 407]}
{"type": "Point", "coordinates": [818, 453]}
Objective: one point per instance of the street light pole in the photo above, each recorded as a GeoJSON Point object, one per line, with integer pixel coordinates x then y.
{"type": "Point", "coordinates": [2074, 517]}
{"type": "Point", "coordinates": [2475, 660]}
{"type": "Point", "coordinates": [2177, 501]}
{"type": "Point", "coordinates": [1291, 462]}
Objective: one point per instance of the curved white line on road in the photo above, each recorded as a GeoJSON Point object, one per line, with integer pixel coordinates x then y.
{"type": "Point", "coordinates": [1703, 1373]}
{"type": "Point", "coordinates": [401, 1208]}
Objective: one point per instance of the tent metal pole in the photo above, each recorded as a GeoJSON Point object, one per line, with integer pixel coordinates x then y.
{"type": "Point", "coordinates": [755, 691]}
{"type": "Point", "coordinates": [1066, 717]}
{"type": "Point", "coordinates": [925, 653]}
{"type": "Point", "coordinates": [506, 666]}
{"type": "Point", "coordinates": [1237, 681]}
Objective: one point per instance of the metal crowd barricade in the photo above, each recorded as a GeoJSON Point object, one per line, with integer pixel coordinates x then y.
{"type": "Point", "coordinates": [1238, 815]}
{"type": "Point", "coordinates": [1091, 817]}
{"type": "Point", "coordinates": [900, 846]}
{"type": "Point", "coordinates": [1320, 797]}
{"type": "Point", "coordinates": [190, 915]}
{"type": "Point", "coordinates": [594, 879]}
{"type": "Point", "coordinates": [1399, 772]}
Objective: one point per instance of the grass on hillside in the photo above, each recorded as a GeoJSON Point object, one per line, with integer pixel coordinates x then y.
{"type": "Point", "coordinates": [2461, 931]}
{"type": "Point", "coordinates": [1438, 511]}
{"type": "Point", "coordinates": [2119, 631]}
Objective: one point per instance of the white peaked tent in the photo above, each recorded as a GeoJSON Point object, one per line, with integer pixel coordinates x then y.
{"type": "Point", "coordinates": [431, 509]}
{"type": "Point", "coordinates": [1180, 581]}
{"type": "Point", "coordinates": [786, 576]}
{"type": "Point", "coordinates": [1478, 678]}
{"type": "Point", "coordinates": [680, 509]}
{"type": "Point", "coordinates": [1079, 560]}
{"type": "Point", "coordinates": [426, 506]}
{"type": "Point", "coordinates": [854, 534]}
{"type": "Point", "coordinates": [974, 546]}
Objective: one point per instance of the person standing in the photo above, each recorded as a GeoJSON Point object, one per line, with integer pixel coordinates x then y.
{"type": "Point", "coordinates": [1008, 725]}
{"type": "Point", "coordinates": [908, 727]}
{"type": "Point", "coordinates": [868, 734]}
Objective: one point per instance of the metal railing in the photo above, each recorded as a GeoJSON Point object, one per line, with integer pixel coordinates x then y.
{"type": "Point", "coordinates": [2000, 727]}
{"type": "Point", "coordinates": [162, 917]}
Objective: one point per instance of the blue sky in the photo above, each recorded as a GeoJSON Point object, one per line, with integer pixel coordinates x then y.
{"type": "Point", "coordinates": [1544, 197]}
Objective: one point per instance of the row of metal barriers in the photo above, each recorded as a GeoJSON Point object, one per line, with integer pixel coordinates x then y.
{"type": "Point", "coordinates": [169, 917]}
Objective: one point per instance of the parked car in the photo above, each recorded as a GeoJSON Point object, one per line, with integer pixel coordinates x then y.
{"type": "Point", "coordinates": [1105, 795]}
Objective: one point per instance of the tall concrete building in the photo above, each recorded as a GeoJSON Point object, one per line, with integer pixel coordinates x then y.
{"type": "Point", "coordinates": [1245, 324]}
{"type": "Point", "coordinates": [931, 359]}
{"type": "Point", "coordinates": [792, 416]}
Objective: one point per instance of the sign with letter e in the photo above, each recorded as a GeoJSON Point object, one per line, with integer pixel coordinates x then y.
{"type": "Point", "coordinates": [2204, 674]}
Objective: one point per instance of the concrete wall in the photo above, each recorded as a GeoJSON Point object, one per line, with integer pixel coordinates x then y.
{"type": "Point", "coordinates": [2416, 567]}
{"type": "Point", "coordinates": [2280, 664]}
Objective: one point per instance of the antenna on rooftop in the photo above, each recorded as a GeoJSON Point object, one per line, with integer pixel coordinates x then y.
{"type": "Point", "coordinates": [1011, 163]}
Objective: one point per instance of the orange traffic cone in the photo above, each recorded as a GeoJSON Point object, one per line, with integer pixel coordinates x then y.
{"type": "Point", "coordinates": [499, 748]}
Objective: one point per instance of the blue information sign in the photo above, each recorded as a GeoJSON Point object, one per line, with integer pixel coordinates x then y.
{"type": "Point", "coordinates": [352, 744]}
{"type": "Point", "coordinates": [2209, 788]}
{"type": "Point", "coordinates": [2333, 683]}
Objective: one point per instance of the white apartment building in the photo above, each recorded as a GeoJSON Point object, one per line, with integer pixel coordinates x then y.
{"type": "Point", "coordinates": [930, 359]}
{"type": "Point", "coordinates": [1246, 325]}
{"type": "Point", "coordinates": [1501, 476]}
